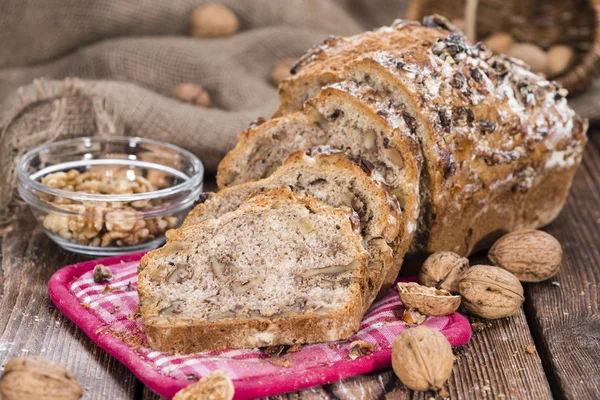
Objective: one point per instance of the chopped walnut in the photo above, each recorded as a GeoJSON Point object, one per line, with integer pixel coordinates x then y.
{"type": "Point", "coordinates": [101, 223]}
{"type": "Point", "coordinates": [101, 274]}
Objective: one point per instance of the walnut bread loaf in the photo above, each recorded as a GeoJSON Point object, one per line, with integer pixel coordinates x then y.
{"type": "Point", "coordinates": [338, 181]}
{"type": "Point", "coordinates": [280, 269]}
{"type": "Point", "coordinates": [404, 139]}
{"type": "Point", "coordinates": [499, 145]}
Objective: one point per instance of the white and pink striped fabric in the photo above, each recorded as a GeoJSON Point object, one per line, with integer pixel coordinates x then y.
{"type": "Point", "coordinates": [106, 312]}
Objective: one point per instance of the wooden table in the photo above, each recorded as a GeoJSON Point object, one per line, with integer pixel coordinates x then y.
{"type": "Point", "coordinates": [560, 318]}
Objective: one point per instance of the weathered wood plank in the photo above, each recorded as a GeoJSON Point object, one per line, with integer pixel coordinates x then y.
{"type": "Point", "coordinates": [564, 311]}
{"type": "Point", "coordinates": [30, 325]}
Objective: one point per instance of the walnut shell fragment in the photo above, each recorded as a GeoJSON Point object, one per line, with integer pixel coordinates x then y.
{"type": "Point", "coordinates": [422, 358]}
{"type": "Point", "coordinates": [214, 386]}
{"type": "Point", "coordinates": [531, 255]}
{"type": "Point", "coordinates": [490, 292]}
{"type": "Point", "coordinates": [426, 300]}
{"type": "Point", "coordinates": [34, 378]}
{"type": "Point", "coordinates": [442, 270]}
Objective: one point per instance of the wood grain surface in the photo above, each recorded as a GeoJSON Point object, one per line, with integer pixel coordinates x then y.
{"type": "Point", "coordinates": [560, 318]}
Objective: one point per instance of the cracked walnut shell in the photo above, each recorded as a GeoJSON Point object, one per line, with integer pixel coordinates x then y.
{"type": "Point", "coordinates": [422, 358]}
{"type": "Point", "coordinates": [426, 300]}
{"type": "Point", "coordinates": [531, 255]}
{"type": "Point", "coordinates": [490, 292]}
{"type": "Point", "coordinates": [35, 378]}
{"type": "Point", "coordinates": [214, 386]}
{"type": "Point", "coordinates": [442, 270]}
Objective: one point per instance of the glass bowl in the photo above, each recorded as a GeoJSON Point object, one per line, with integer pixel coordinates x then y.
{"type": "Point", "coordinates": [104, 196]}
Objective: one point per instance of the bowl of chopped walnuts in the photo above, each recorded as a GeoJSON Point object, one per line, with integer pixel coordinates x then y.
{"type": "Point", "coordinates": [105, 196]}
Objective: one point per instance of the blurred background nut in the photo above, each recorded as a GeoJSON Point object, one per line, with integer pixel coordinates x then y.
{"type": "Point", "coordinates": [442, 270]}
{"type": "Point", "coordinates": [533, 55]}
{"type": "Point", "coordinates": [31, 378]}
{"type": "Point", "coordinates": [560, 58]}
{"type": "Point", "coordinates": [426, 300]}
{"type": "Point", "coordinates": [422, 358]}
{"type": "Point", "coordinates": [490, 292]}
{"type": "Point", "coordinates": [214, 386]}
{"type": "Point", "coordinates": [531, 255]}
{"type": "Point", "coordinates": [499, 42]}
{"type": "Point", "coordinates": [281, 71]}
{"type": "Point", "coordinates": [213, 20]}
{"type": "Point", "coordinates": [192, 93]}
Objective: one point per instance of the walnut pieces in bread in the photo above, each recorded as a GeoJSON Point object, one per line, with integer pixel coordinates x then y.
{"type": "Point", "coordinates": [422, 358]}
{"type": "Point", "coordinates": [531, 255]}
{"type": "Point", "coordinates": [347, 118]}
{"type": "Point", "coordinates": [332, 177]}
{"type": "Point", "coordinates": [251, 278]}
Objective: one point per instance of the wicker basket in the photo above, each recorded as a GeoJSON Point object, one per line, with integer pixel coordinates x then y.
{"type": "Point", "coordinates": [546, 22]}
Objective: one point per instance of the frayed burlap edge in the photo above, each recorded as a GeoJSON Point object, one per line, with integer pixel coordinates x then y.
{"type": "Point", "coordinates": [40, 91]}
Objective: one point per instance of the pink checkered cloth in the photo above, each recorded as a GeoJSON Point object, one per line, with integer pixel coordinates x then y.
{"type": "Point", "coordinates": [106, 313]}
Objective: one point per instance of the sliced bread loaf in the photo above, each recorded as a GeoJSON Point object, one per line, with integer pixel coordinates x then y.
{"type": "Point", "coordinates": [333, 178]}
{"type": "Point", "coordinates": [500, 144]}
{"type": "Point", "coordinates": [256, 277]}
{"type": "Point", "coordinates": [362, 127]}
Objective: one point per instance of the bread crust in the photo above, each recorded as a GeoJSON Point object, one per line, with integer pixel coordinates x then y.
{"type": "Point", "coordinates": [184, 335]}
{"type": "Point", "coordinates": [324, 63]}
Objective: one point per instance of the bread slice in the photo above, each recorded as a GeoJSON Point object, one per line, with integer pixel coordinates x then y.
{"type": "Point", "coordinates": [333, 178]}
{"type": "Point", "coordinates": [281, 269]}
{"type": "Point", "coordinates": [325, 63]}
{"type": "Point", "coordinates": [361, 126]}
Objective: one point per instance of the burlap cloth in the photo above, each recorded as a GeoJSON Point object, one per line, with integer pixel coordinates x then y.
{"type": "Point", "coordinates": [73, 68]}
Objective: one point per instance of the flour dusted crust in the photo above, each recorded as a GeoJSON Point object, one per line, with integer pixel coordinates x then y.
{"type": "Point", "coordinates": [500, 143]}
{"type": "Point", "coordinates": [324, 63]}
{"type": "Point", "coordinates": [338, 181]}
{"type": "Point", "coordinates": [255, 277]}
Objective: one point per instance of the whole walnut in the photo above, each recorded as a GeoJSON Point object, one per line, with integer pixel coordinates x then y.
{"type": "Point", "coordinates": [490, 292]}
{"type": "Point", "coordinates": [281, 70]}
{"type": "Point", "coordinates": [442, 270]}
{"type": "Point", "coordinates": [35, 378]}
{"type": "Point", "coordinates": [531, 255]}
{"type": "Point", "coordinates": [213, 20]}
{"type": "Point", "coordinates": [191, 93]}
{"type": "Point", "coordinates": [214, 386]}
{"type": "Point", "coordinates": [422, 358]}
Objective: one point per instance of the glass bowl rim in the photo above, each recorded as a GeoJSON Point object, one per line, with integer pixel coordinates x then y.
{"type": "Point", "coordinates": [191, 183]}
